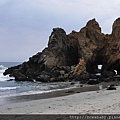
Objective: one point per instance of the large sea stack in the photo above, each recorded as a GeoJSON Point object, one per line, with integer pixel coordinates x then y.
{"type": "Point", "coordinates": [74, 56]}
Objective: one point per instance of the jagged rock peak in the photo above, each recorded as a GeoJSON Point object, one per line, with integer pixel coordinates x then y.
{"type": "Point", "coordinates": [116, 23]}
{"type": "Point", "coordinates": [94, 24]}
{"type": "Point", "coordinates": [57, 38]}
{"type": "Point", "coordinates": [116, 29]}
{"type": "Point", "coordinates": [58, 29]}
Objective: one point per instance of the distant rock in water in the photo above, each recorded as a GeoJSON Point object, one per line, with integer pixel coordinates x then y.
{"type": "Point", "coordinates": [75, 56]}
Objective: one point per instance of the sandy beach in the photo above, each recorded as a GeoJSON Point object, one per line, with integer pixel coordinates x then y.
{"type": "Point", "coordinates": [94, 102]}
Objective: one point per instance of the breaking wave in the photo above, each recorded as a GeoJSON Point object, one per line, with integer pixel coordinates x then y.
{"type": "Point", "coordinates": [8, 88]}
{"type": "Point", "coordinates": [2, 77]}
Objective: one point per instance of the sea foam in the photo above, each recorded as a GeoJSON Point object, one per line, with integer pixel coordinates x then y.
{"type": "Point", "coordinates": [9, 88]}
{"type": "Point", "coordinates": [2, 77]}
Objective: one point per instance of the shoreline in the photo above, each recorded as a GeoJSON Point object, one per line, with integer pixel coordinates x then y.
{"type": "Point", "coordinates": [52, 94]}
{"type": "Point", "coordinates": [88, 102]}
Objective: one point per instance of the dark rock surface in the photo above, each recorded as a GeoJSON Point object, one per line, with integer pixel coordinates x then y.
{"type": "Point", "coordinates": [75, 56]}
{"type": "Point", "coordinates": [111, 87]}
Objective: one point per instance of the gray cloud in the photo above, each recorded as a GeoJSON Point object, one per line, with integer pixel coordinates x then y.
{"type": "Point", "coordinates": [25, 25]}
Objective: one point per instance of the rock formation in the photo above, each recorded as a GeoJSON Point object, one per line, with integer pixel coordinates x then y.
{"type": "Point", "coordinates": [73, 56]}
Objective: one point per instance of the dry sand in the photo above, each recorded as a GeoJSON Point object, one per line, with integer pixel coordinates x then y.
{"type": "Point", "coordinates": [101, 101]}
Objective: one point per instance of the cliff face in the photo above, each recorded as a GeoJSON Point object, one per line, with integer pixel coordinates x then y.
{"type": "Point", "coordinates": [74, 55]}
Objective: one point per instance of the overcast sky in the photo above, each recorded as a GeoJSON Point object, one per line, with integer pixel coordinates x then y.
{"type": "Point", "coordinates": [25, 25]}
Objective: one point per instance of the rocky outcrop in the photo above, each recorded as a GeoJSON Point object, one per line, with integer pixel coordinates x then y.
{"type": "Point", "coordinates": [46, 65]}
{"type": "Point", "coordinates": [74, 56]}
{"type": "Point", "coordinates": [56, 54]}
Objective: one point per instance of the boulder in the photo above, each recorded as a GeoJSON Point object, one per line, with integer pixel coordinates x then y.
{"type": "Point", "coordinates": [62, 72]}
{"type": "Point", "coordinates": [19, 76]}
{"type": "Point", "coordinates": [93, 81]}
{"type": "Point", "coordinates": [111, 87]}
{"type": "Point", "coordinates": [43, 78]}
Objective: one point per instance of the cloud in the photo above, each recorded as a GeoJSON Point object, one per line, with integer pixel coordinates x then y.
{"type": "Point", "coordinates": [77, 12]}
{"type": "Point", "coordinates": [25, 25]}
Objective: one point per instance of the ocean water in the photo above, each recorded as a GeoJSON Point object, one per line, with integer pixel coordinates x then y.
{"type": "Point", "coordinates": [12, 88]}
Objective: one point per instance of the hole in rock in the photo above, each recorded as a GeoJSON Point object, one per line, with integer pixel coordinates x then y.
{"type": "Point", "coordinates": [100, 67]}
{"type": "Point", "coordinates": [115, 72]}
{"type": "Point", "coordinates": [99, 70]}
